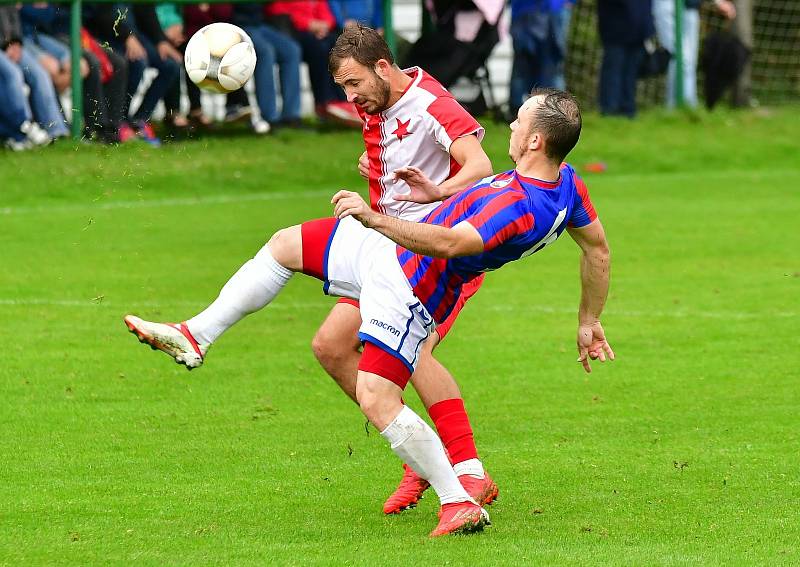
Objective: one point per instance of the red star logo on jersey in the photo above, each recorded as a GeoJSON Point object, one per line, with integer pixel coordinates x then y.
{"type": "Point", "coordinates": [402, 129]}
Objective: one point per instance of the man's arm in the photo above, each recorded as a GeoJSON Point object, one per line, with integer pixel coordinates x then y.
{"type": "Point", "coordinates": [475, 165]}
{"type": "Point", "coordinates": [427, 239]}
{"type": "Point", "coordinates": [595, 275]}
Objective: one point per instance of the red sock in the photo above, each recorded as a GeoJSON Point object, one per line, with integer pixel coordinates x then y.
{"type": "Point", "coordinates": [452, 423]}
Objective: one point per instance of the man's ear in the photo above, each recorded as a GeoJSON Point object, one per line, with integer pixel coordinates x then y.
{"type": "Point", "coordinates": [382, 69]}
{"type": "Point", "coordinates": [536, 142]}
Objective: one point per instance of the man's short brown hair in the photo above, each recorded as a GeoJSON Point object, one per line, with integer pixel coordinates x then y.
{"type": "Point", "coordinates": [365, 45]}
{"type": "Point", "coordinates": [558, 119]}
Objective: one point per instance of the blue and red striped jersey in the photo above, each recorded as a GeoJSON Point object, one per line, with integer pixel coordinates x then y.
{"type": "Point", "coordinates": [515, 215]}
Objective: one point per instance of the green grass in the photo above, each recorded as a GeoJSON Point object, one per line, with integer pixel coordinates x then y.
{"type": "Point", "coordinates": [683, 451]}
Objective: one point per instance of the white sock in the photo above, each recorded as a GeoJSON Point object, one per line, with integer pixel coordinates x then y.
{"type": "Point", "coordinates": [256, 283]}
{"type": "Point", "coordinates": [418, 446]}
{"type": "Point", "coordinates": [472, 467]}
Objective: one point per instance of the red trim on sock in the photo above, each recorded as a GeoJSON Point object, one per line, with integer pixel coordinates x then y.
{"type": "Point", "coordinates": [315, 235]}
{"type": "Point", "coordinates": [377, 361]}
{"type": "Point", "coordinates": [452, 423]}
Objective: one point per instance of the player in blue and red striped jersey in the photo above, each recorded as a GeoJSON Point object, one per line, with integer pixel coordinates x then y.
{"type": "Point", "coordinates": [408, 276]}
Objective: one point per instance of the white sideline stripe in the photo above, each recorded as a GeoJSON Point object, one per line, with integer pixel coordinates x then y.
{"type": "Point", "coordinates": [136, 305]}
{"type": "Point", "coordinates": [316, 193]}
{"type": "Point", "coordinates": [174, 202]}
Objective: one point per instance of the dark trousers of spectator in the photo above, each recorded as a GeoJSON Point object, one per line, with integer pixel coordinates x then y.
{"type": "Point", "coordinates": [315, 54]}
{"type": "Point", "coordinates": [104, 103]}
{"type": "Point", "coordinates": [168, 71]}
{"type": "Point", "coordinates": [618, 73]}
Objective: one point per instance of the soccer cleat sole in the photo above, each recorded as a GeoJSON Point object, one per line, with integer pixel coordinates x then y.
{"type": "Point", "coordinates": [189, 360]}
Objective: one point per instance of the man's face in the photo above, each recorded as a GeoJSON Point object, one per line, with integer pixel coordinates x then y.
{"type": "Point", "coordinates": [363, 86]}
{"type": "Point", "coordinates": [521, 129]}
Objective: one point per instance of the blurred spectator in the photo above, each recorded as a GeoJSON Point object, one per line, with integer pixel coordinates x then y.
{"type": "Point", "coordinates": [196, 16]}
{"type": "Point", "coordinates": [313, 26]}
{"type": "Point", "coordinates": [349, 12]}
{"type": "Point", "coordinates": [104, 73]}
{"type": "Point", "coordinates": [135, 31]}
{"type": "Point", "coordinates": [170, 19]}
{"type": "Point", "coordinates": [537, 32]}
{"type": "Point", "coordinates": [623, 26]}
{"type": "Point", "coordinates": [43, 100]}
{"type": "Point", "coordinates": [563, 18]}
{"type": "Point", "coordinates": [16, 120]}
{"type": "Point", "coordinates": [664, 18]}
{"type": "Point", "coordinates": [272, 47]}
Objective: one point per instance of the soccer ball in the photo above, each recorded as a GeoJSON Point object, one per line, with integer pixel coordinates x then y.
{"type": "Point", "coordinates": [220, 58]}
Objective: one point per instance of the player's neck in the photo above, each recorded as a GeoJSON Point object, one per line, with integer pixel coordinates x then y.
{"type": "Point", "coordinates": [398, 84]}
{"type": "Point", "coordinates": [538, 168]}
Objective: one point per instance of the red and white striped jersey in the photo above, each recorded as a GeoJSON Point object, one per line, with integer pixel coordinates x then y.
{"type": "Point", "coordinates": [416, 131]}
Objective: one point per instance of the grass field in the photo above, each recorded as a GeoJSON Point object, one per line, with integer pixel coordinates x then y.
{"type": "Point", "coordinates": [682, 452]}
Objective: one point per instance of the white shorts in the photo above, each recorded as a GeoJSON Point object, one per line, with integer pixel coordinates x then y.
{"type": "Point", "coordinates": [362, 264]}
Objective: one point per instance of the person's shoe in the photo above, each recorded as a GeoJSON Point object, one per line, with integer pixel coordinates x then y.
{"type": "Point", "coordinates": [407, 493]}
{"type": "Point", "coordinates": [261, 127]}
{"type": "Point", "coordinates": [461, 518]}
{"type": "Point", "coordinates": [126, 133]}
{"type": "Point", "coordinates": [171, 338]}
{"type": "Point", "coordinates": [483, 490]}
{"type": "Point", "coordinates": [343, 113]}
{"type": "Point", "coordinates": [35, 134]}
{"type": "Point", "coordinates": [238, 113]}
{"type": "Point", "coordinates": [18, 145]}
{"type": "Point", "coordinates": [146, 132]}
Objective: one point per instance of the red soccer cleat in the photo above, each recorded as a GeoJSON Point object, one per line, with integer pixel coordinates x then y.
{"type": "Point", "coordinates": [482, 490]}
{"type": "Point", "coordinates": [408, 492]}
{"type": "Point", "coordinates": [461, 518]}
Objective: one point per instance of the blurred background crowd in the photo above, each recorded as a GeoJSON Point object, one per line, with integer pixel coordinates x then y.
{"type": "Point", "coordinates": [603, 50]}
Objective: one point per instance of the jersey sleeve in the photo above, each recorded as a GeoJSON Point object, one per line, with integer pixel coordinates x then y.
{"type": "Point", "coordinates": [451, 121]}
{"type": "Point", "coordinates": [502, 218]}
{"type": "Point", "coordinates": [583, 211]}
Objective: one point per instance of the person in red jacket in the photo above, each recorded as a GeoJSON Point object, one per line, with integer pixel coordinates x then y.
{"type": "Point", "coordinates": [313, 25]}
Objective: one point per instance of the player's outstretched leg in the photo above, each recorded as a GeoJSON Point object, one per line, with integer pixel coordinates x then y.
{"type": "Point", "coordinates": [251, 288]}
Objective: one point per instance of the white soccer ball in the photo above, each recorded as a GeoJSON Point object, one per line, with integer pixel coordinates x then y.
{"type": "Point", "coordinates": [220, 58]}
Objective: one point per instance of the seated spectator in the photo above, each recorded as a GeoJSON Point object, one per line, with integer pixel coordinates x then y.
{"type": "Point", "coordinates": [350, 12]}
{"type": "Point", "coordinates": [196, 16]}
{"type": "Point", "coordinates": [623, 26]}
{"type": "Point", "coordinates": [104, 73]}
{"type": "Point", "coordinates": [272, 47]}
{"type": "Point", "coordinates": [43, 100]}
{"type": "Point", "coordinates": [170, 18]}
{"type": "Point", "coordinates": [17, 128]}
{"type": "Point", "coordinates": [313, 26]}
{"type": "Point", "coordinates": [135, 31]}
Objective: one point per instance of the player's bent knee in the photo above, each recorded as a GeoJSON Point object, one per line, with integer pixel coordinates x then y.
{"type": "Point", "coordinates": [286, 247]}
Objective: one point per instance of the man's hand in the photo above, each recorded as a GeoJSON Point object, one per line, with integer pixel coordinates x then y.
{"type": "Point", "coordinates": [166, 51]}
{"type": "Point", "coordinates": [319, 28]}
{"type": "Point", "coordinates": [350, 204]}
{"type": "Point", "coordinates": [14, 52]}
{"type": "Point", "coordinates": [363, 166]}
{"type": "Point", "coordinates": [592, 344]}
{"type": "Point", "coordinates": [423, 190]}
{"type": "Point", "coordinates": [134, 50]}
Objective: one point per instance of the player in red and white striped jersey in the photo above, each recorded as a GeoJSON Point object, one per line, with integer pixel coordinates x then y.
{"type": "Point", "coordinates": [419, 142]}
